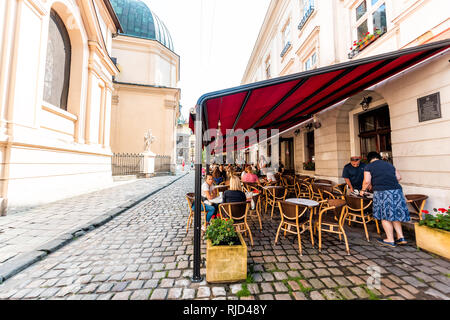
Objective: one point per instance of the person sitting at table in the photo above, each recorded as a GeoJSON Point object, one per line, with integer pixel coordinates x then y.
{"type": "Point", "coordinates": [353, 173]}
{"type": "Point", "coordinates": [249, 176]}
{"type": "Point", "coordinates": [217, 176]}
{"type": "Point", "coordinates": [208, 193]}
{"type": "Point", "coordinates": [235, 193]}
{"type": "Point", "coordinates": [223, 172]}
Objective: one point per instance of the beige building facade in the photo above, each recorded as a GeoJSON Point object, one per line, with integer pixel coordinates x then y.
{"type": "Point", "coordinates": [300, 35]}
{"type": "Point", "coordinates": [55, 98]}
{"type": "Point", "coordinates": [145, 96]}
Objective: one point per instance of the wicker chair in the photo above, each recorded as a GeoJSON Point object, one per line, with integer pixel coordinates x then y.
{"type": "Point", "coordinates": [417, 201]}
{"type": "Point", "coordinates": [358, 211]}
{"type": "Point", "coordinates": [222, 188]}
{"type": "Point", "coordinates": [190, 197]}
{"type": "Point", "coordinates": [340, 190]}
{"type": "Point", "coordinates": [315, 192]}
{"type": "Point", "coordinates": [332, 219]}
{"type": "Point", "coordinates": [294, 216]}
{"type": "Point", "coordinates": [257, 200]}
{"type": "Point", "coordinates": [237, 211]}
{"type": "Point", "coordinates": [273, 195]}
{"type": "Point", "coordinates": [289, 183]}
{"type": "Point", "coordinates": [302, 190]}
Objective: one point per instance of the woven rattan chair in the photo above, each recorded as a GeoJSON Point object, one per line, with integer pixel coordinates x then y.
{"type": "Point", "coordinates": [358, 211]}
{"type": "Point", "coordinates": [302, 190]}
{"type": "Point", "coordinates": [237, 211]}
{"type": "Point", "coordinates": [222, 188]}
{"type": "Point", "coordinates": [294, 216]}
{"type": "Point", "coordinates": [315, 192]}
{"type": "Point", "coordinates": [332, 219]}
{"type": "Point", "coordinates": [417, 201]}
{"type": "Point", "coordinates": [289, 182]}
{"type": "Point", "coordinates": [340, 190]}
{"type": "Point", "coordinates": [190, 197]}
{"type": "Point", "coordinates": [274, 195]}
{"type": "Point", "coordinates": [257, 200]}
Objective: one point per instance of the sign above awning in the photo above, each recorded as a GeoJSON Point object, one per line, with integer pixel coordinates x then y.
{"type": "Point", "coordinates": [284, 102]}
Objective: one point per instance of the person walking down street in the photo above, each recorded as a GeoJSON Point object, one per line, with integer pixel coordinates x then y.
{"type": "Point", "coordinates": [353, 173]}
{"type": "Point", "coordinates": [389, 203]}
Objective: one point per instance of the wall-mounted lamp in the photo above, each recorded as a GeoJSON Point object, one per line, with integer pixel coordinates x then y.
{"type": "Point", "coordinates": [365, 103]}
{"type": "Point", "coordinates": [316, 123]}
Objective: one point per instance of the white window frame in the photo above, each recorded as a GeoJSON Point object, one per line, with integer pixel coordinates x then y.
{"type": "Point", "coordinates": [285, 38]}
{"type": "Point", "coordinates": [313, 65]}
{"type": "Point", "coordinates": [367, 16]}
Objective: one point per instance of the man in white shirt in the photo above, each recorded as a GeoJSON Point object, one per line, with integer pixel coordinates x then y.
{"type": "Point", "coordinates": [209, 193]}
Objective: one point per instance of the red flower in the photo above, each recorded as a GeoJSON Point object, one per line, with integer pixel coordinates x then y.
{"type": "Point", "coordinates": [425, 211]}
{"type": "Point", "coordinates": [442, 210]}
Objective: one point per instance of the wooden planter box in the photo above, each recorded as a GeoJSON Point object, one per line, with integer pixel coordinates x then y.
{"type": "Point", "coordinates": [433, 240]}
{"type": "Point", "coordinates": [225, 264]}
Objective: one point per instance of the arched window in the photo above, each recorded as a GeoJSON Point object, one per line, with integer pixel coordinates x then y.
{"type": "Point", "coordinates": [57, 68]}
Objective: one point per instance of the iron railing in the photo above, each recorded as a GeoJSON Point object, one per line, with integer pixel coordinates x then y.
{"type": "Point", "coordinates": [124, 164]}
{"type": "Point", "coordinates": [163, 164]}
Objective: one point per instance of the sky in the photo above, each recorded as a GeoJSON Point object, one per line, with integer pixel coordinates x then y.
{"type": "Point", "coordinates": [214, 39]}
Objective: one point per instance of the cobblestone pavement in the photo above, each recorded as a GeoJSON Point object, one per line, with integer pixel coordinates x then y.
{"type": "Point", "coordinates": [145, 252]}
{"type": "Point", "coordinates": [25, 231]}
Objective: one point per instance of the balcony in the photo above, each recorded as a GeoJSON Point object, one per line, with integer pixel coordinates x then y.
{"type": "Point", "coordinates": [306, 16]}
{"type": "Point", "coordinates": [285, 49]}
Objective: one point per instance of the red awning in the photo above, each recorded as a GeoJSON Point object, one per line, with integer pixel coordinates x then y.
{"type": "Point", "coordinates": [284, 102]}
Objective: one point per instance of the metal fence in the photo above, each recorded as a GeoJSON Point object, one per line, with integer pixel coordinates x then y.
{"type": "Point", "coordinates": [124, 164]}
{"type": "Point", "coordinates": [162, 164]}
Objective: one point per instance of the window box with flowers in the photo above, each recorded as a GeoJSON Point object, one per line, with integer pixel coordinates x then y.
{"type": "Point", "coordinates": [433, 232]}
{"type": "Point", "coordinates": [309, 166]}
{"type": "Point", "coordinates": [226, 253]}
{"type": "Point", "coordinates": [363, 43]}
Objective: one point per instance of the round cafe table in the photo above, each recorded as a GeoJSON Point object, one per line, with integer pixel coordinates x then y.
{"type": "Point", "coordinates": [304, 202]}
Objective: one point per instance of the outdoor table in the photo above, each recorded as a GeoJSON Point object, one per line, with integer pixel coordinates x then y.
{"type": "Point", "coordinates": [304, 202]}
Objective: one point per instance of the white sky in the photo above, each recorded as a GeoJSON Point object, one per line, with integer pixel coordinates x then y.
{"type": "Point", "coordinates": [214, 39]}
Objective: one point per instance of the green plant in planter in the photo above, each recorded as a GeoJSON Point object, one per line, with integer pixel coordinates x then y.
{"type": "Point", "coordinates": [222, 233]}
{"type": "Point", "coordinates": [438, 220]}
{"type": "Point", "coordinates": [311, 166]}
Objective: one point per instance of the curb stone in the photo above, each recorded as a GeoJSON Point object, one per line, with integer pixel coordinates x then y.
{"type": "Point", "coordinates": [23, 261]}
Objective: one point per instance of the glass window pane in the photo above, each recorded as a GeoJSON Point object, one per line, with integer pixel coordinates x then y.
{"type": "Point", "coordinates": [362, 30]}
{"type": "Point", "coordinates": [379, 19]}
{"type": "Point", "coordinates": [374, 2]}
{"type": "Point", "coordinates": [361, 10]}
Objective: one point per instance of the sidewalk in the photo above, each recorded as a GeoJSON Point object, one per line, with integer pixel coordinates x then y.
{"type": "Point", "coordinates": [27, 236]}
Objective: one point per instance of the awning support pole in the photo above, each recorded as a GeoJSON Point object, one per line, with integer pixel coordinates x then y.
{"type": "Point", "coordinates": [196, 277]}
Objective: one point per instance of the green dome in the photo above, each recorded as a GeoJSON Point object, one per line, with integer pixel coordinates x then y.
{"type": "Point", "coordinates": [138, 20]}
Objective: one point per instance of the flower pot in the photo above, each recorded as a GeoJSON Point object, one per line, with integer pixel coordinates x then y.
{"type": "Point", "coordinates": [225, 264]}
{"type": "Point", "coordinates": [433, 240]}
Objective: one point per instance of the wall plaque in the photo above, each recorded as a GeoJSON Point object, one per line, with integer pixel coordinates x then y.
{"type": "Point", "coordinates": [429, 107]}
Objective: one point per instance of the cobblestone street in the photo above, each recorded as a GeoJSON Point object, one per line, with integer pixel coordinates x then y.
{"type": "Point", "coordinates": [145, 253]}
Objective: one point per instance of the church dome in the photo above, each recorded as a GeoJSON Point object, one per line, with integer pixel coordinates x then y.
{"type": "Point", "coordinates": [138, 20]}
